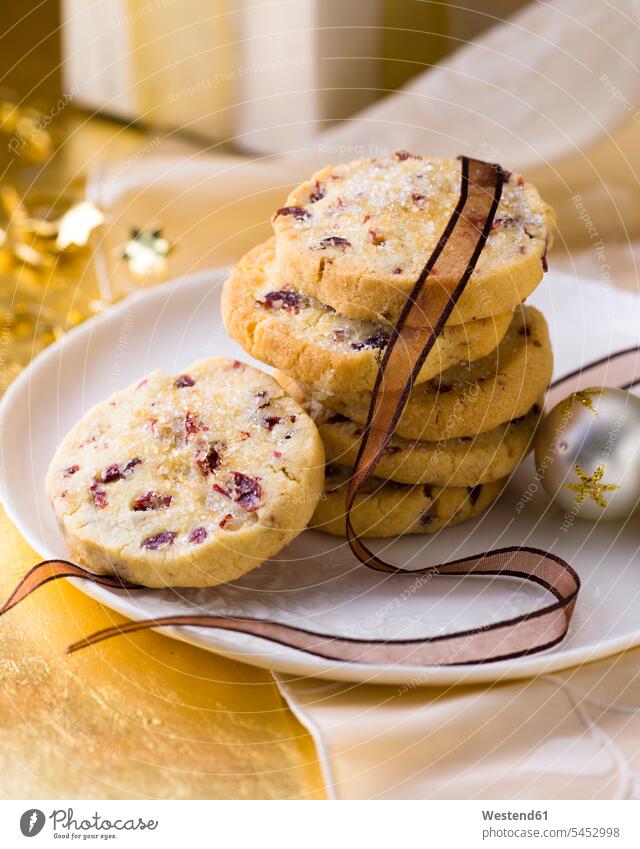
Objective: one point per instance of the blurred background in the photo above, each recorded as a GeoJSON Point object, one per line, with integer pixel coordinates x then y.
{"type": "Point", "coordinates": [367, 48]}
{"type": "Point", "coordinates": [186, 122]}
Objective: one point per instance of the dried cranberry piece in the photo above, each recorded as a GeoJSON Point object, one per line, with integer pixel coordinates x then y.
{"type": "Point", "coordinates": [334, 242]}
{"type": "Point", "coordinates": [336, 418]}
{"type": "Point", "coordinates": [158, 540]}
{"type": "Point", "coordinates": [238, 364]}
{"type": "Point", "coordinates": [248, 491]}
{"type": "Point", "coordinates": [131, 464]}
{"type": "Point", "coordinates": [277, 454]}
{"type": "Point", "coordinates": [210, 462]}
{"type": "Point", "coordinates": [226, 519]}
{"type": "Point", "coordinates": [192, 424]}
{"type": "Point", "coordinates": [271, 421]}
{"type": "Point", "coordinates": [284, 299]}
{"type": "Point", "coordinates": [416, 197]}
{"type": "Point", "coordinates": [298, 212]}
{"type": "Point", "coordinates": [401, 155]}
{"type": "Point", "coordinates": [152, 501]}
{"type": "Point", "coordinates": [198, 535]}
{"type": "Point", "coordinates": [397, 271]}
{"type": "Point", "coordinates": [111, 473]}
{"type": "Point", "coordinates": [70, 470]}
{"type": "Point", "coordinates": [115, 471]}
{"type": "Point", "coordinates": [474, 493]}
{"type": "Point", "coordinates": [99, 495]}
{"type": "Point", "coordinates": [318, 194]}
{"type": "Point", "coordinates": [379, 339]}
{"type": "Point", "coordinates": [184, 380]}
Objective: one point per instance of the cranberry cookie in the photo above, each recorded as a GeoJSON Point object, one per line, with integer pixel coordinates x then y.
{"type": "Point", "coordinates": [284, 328]}
{"type": "Point", "coordinates": [467, 399]}
{"type": "Point", "coordinates": [356, 237]}
{"type": "Point", "coordinates": [387, 509]}
{"type": "Point", "coordinates": [189, 479]}
{"type": "Point", "coordinates": [462, 461]}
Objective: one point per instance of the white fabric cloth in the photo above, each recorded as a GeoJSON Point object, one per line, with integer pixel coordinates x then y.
{"type": "Point", "coordinates": [547, 83]}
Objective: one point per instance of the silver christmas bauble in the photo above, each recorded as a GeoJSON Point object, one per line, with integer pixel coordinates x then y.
{"type": "Point", "coordinates": [588, 454]}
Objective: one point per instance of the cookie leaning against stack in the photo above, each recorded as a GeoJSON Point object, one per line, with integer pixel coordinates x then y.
{"type": "Point", "coordinates": [187, 480]}
{"type": "Point", "coordinates": [319, 304]}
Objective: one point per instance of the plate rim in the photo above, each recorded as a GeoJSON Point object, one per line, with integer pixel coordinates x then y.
{"type": "Point", "coordinates": [298, 662]}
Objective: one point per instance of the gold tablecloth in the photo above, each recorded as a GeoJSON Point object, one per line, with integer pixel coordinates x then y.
{"type": "Point", "coordinates": [143, 718]}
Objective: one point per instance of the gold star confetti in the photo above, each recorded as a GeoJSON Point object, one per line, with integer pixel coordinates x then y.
{"type": "Point", "coordinates": [77, 224]}
{"type": "Point", "coordinates": [146, 252]}
{"type": "Point", "coordinates": [590, 486]}
{"type": "Point", "coordinates": [585, 396]}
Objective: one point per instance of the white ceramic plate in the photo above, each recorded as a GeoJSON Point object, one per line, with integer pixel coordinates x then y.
{"type": "Point", "coordinates": [316, 583]}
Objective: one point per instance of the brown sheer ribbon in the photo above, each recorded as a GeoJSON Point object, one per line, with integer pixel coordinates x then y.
{"type": "Point", "coordinates": [422, 319]}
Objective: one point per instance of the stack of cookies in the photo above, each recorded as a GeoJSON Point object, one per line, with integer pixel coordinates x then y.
{"type": "Point", "coordinates": [319, 301]}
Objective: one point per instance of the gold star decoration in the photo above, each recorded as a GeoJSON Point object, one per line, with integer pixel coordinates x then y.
{"type": "Point", "coordinates": [585, 396]}
{"type": "Point", "coordinates": [146, 252]}
{"type": "Point", "coordinates": [590, 486]}
{"type": "Point", "coordinates": [77, 224]}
